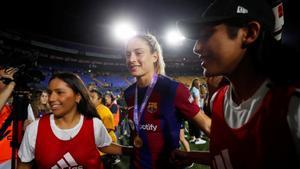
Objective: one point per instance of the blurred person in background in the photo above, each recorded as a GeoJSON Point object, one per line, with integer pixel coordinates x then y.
{"type": "Point", "coordinates": [7, 85]}
{"type": "Point", "coordinates": [108, 120]}
{"type": "Point", "coordinates": [194, 131]}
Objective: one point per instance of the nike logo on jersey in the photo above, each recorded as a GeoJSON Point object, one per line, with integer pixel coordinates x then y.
{"type": "Point", "coordinates": [67, 162]}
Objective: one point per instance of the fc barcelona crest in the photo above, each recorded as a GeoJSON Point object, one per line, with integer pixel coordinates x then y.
{"type": "Point", "coordinates": [152, 107]}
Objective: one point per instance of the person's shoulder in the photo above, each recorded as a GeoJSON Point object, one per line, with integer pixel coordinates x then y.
{"type": "Point", "coordinates": [129, 89]}
{"type": "Point", "coordinates": [97, 121]}
{"type": "Point", "coordinates": [194, 89]}
{"type": "Point", "coordinates": [101, 107]}
{"type": "Point", "coordinates": [104, 108]}
{"type": "Point", "coordinates": [132, 86]}
{"type": "Point", "coordinates": [166, 82]}
{"type": "Point", "coordinates": [166, 78]}
{"type": "Point", "coordinates": [35, 123]}
{"type": "Point", "coordinates": [33, 127]}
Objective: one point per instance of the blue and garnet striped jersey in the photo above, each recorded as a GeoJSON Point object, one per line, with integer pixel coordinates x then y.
{"type": "Point", "coordinates": [159, 125]}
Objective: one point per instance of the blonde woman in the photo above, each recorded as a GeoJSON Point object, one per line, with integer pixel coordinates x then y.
{"type": "Point", "coordinates": [158, 105]}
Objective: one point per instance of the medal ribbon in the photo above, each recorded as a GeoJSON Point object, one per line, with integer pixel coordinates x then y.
{"type": "Point", "coordinates": [137, 114]}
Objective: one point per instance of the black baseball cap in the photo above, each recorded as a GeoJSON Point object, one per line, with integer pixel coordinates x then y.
{"type": "Point", "coordinates": [225, 10]}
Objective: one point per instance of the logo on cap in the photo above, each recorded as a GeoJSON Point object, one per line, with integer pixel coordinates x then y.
{"type": "Point", "coordinates": [241, 9]}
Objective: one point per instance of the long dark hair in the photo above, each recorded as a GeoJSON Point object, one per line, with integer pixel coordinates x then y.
{"type": "Point", "coordinates": [85, 106]}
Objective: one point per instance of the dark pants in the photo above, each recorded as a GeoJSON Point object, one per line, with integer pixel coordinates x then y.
{"type": "Point", "coordinates": [108, 161]}
{"type": "Point", "coordinates": [194, 130]}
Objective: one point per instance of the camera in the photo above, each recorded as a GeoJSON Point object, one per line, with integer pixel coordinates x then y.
{"type": "Point", "coordinates": [28, 73]}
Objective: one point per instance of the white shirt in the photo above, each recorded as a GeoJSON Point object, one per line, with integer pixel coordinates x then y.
{"type": "Point", "coordinates": [30, 114]}
{"type": "Point", "coordinates": [196, 93]}
{"type": "Point", "coordinates": [238, 115]}
{"type": "Point", "coordinates": [27, 149]}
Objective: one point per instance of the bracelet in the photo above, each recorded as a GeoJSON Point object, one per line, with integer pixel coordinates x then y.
{"type": "Point", "coordinates": [6, 80]}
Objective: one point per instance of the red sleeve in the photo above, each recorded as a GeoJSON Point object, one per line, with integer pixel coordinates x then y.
{"type": "Point", "coordinates": [184, 102]}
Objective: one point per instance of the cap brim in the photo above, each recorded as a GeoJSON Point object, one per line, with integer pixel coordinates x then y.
{"type": "Point", "coordinates": [191, 28]}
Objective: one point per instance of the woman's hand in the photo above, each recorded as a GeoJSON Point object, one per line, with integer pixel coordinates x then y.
{"type": "Point", "coordinates": [179, 159]}
{"type": "Point", "coordinates": [9, 72]}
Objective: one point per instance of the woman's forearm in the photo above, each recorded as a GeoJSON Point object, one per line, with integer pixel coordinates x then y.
{"type": "Point", "coordinates": [117, 149]}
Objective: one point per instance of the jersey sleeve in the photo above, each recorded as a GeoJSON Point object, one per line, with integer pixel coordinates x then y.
{"type": "Point", "coordinates": [27, 148]}
{"type": "Point", "coordinates": [184, 102]}
{"type": "Point", "coordinates": [102, 137]}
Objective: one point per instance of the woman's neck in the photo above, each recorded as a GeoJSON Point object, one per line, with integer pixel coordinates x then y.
{"type": "Point", "coordinates": [245, 81]}
{"type": "Point", "coordinates": [68, 121]}
{"type": "Point", "coordinates": [244, 86]}
{"type": "Point", "coordinates": [243, 91]}
{"type": "Point", "coordinates": [145, 80]}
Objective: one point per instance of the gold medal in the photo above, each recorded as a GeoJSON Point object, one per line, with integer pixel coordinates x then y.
{"type": "Point", "coordinates": [138, 142]}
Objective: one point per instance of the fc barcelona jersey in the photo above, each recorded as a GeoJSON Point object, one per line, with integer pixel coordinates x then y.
{"type": "Point", "coordinates": [160, 122]}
